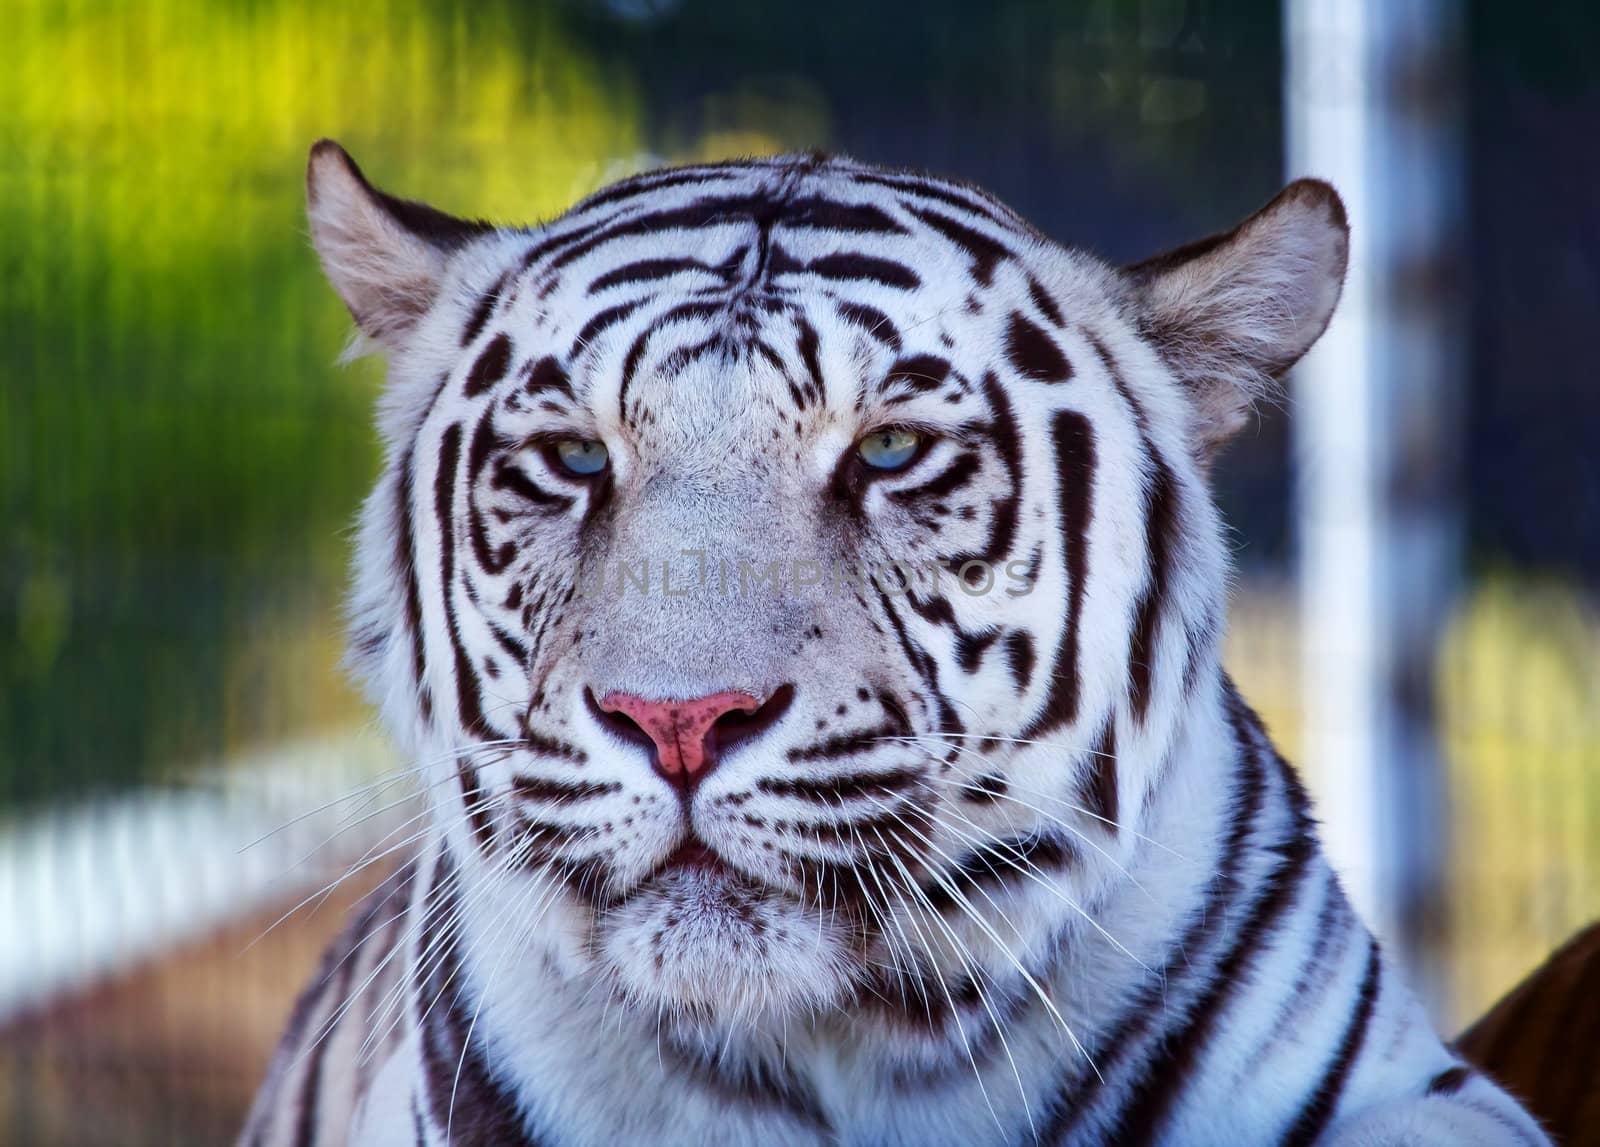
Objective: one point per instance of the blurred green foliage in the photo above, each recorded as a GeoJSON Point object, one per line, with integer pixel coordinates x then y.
{"type": "Point", "coordinates": [180, 455]}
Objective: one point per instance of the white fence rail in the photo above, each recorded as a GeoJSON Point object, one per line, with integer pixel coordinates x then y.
{"type": "Point", "coordinates": [89, 891]}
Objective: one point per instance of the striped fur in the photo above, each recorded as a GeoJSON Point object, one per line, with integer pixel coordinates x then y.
{"type": "Point", "coordinates": [1011, 863]}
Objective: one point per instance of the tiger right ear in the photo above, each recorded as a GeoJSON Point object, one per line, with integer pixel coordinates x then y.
{"type": "Point", "coordinates": [1231, 313]}
{"type": "Point", "coordinates": [385, 256]}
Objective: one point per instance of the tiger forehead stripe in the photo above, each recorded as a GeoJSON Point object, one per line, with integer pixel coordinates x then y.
{"type": "Point", "coordinates": [767, 210]}
{"type": "Point", "coordinates": [1033, 353]}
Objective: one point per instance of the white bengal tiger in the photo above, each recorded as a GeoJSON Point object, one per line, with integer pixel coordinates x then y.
{"type": "Point", "coordinates": [800, 582]}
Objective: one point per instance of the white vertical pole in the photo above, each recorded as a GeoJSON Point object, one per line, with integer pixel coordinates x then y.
{"type": "Point", "coordinates": [1370, 106]}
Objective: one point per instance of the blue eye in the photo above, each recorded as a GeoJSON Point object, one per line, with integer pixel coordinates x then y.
{"type": "Point", "coordinates": [582, 456]}
{"type": "Point", "coordinates": [889, 449]}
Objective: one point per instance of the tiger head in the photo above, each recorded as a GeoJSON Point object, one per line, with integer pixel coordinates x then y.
{"type": "Point", "coordinates": [798, 577]}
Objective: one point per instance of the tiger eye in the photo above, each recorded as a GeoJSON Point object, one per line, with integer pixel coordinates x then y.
{"type": "Point", "coordinates": [582, 456]}
{"type": "Point", "coordinates": [891, 449]}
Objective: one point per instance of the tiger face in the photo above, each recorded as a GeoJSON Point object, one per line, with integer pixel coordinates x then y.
{"type": "Point", "coordinates": [797, 576]}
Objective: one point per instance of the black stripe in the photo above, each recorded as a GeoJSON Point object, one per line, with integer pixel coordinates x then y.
{"type": "Point", "coordinates": [845, 744]}
{"type": "Point", "coordinates": [421, 1131]}
{"type": "Point", "coordinates": [547, 790]}
{"type": "Point", "coordinates": [1020, 658]}
{"type": "Point", "coordinates": [1179, 1053]}
{"type": "Point", "coordinates": [1135, 407]}
{"type": "Point", "coordinates": [472, 802]}
{"type": "Point", "coordinates": [1047, 306]}
{"type": "Point", "coordinates": [635, 356]}
{"type": "Point", "coordinates": [546, 374]}
{"type": "Point", "coordinates": [482, 311]}
{"type": "Point", "coordinates": [648, 271]}
{"type": "Point", "coordinates": [484, 443]}
{"type": "Point", "coordinates": [910, 999]}
{"type": "Point", "coordinates": [661, 181]}
{"type": "Point", "coordinates": [334, 970]}
{"type": "Point", "coordinates": [1006, 435]}
{"type": "Point", "coordinates": [1128, 1037]}
{"type": "Point", "coordinates": [1033, 353]}
{"type": "Point", "coordinates": [986, 789]}
{"type": "Point", "coordinates": [703, 212]}
{"type": "Point", "coordinates": [397, 902]}
{"type": "Point", "coordinates": [870, 319]}
{"type": "Point", "coordinates": [685, 356]}
{"type": "Point", "coordinates": [763, 219]}
{"type": "Point", "coordinates": [927, 668]}
{"type": "Point", "coordinates": [1097, 788]}
{"type": "Point", "coordinates": [706, 212]}
{"type": "Point", "coordinates": [598, 323]}
{"type": "Point", "coordinates": [855, 266]}
{"type": "Point", "coordinates": [907, 814]}
{"type": "Point", "coordinates": [772, 358]}
{"type": "Point", "coordinates": [820, 213]}
{"type": "Point", "coordinates": [1075, 466]}
{"type": "Point", "coordinates": [486, 1112]}
{"type": "Point", "coordinates": [1317, 970]}
{"type": "Point", "coordinates": [513, 648]}
{"type": "Point", "coordinates": [407, 562]}
{"type": "Point", "coordinates": [1450, 1081]}
{"type": "Point", "coordinates": [469, 702]}
{"type": "Point", "coordinates": [984, 251]}
{"type": "Point", "coordinates": [1030, 572]}
{"type": "Point", "coordinates": [939, 192]}
{"type": "Point", "coordinates": [970, 648]}
{"type": "Point", "coordinates": [549, 243]}
{"type": "Point", "coordinates": [920, 372]}
{"type": "Point", "coordinates": [1162, 514]}
{"type": "Point", "coordinates": [994, 866]}
{"type": "Point", "coordinates": [1161, 522]}
{"type": "Point", "coordinates": [333, 983]}
{"type": "Point", "coordinates": [684, 312]}
{"type": "Point", "coordinates": [835, 790]}
{"type": "Point", "coordinates": [630, 366]}
{"type": "Point", "coordinates": [935, 610]}
{"type": "Point", "coordinates": [407, 555]}
{"type": "Point", "coordinates": [551, 747]}
{"type": "Point", "coordinates": [1325, 1100]}
{"type": "Point", "coordinates": [952, 478]}
{"type": "Point", "coordinates": [490, 366]}
{"type": "Point", "coordinates": [510, 478]}
{"type": "Point", "coordinates": [533, 853]}
{"type": "Point", "coordinates": [1201, 637]}
{"type": "Point", "coordinates": [807, 345]}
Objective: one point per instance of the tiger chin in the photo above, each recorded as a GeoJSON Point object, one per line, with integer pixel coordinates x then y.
{"type": "Point", "coordinates": [798, 587]}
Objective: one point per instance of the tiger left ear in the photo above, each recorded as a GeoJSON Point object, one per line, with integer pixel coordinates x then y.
{"type": "Point", "coordinates": [1232, 313]}
{"type": "Point", "coordinates": [384, 255]}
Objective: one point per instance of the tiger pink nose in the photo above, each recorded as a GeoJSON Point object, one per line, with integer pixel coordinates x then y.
{"type": "Point", "coordinates": [683, 732]}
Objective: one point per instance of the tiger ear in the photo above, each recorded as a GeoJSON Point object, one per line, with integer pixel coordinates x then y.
{"type": "Point", "coordinates": [385, 256]}
{"type": "Point", "coordinates": [1232, 313]}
